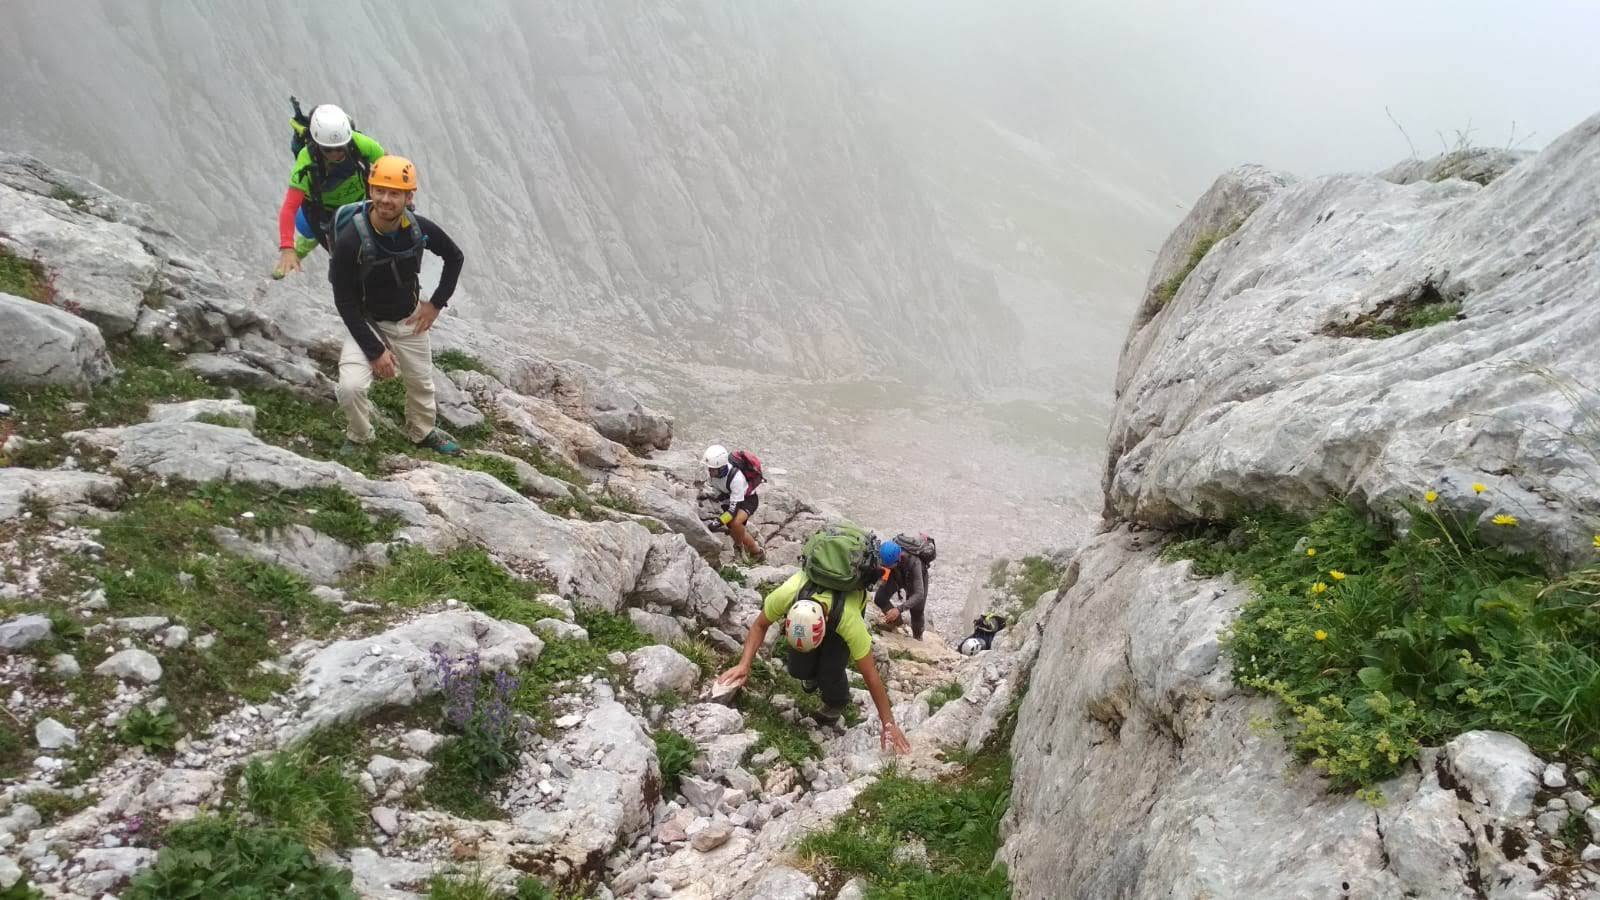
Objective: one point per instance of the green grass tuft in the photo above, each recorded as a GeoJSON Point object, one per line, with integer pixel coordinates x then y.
{"type": "Point", "coordinates": [943, 694]}
{"type": "Point", "coordinates": [458, 361]}
{"type": "Point", "coordinates": [307, 796]}
{"type": "Point", "coordinates": [415, 577]}
{"type": "Point", "coordinates": [22, 277]}
{"type": "Point", "coordinates": [1202, 245]}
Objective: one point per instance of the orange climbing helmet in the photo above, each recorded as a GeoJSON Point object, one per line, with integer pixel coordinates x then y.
{"type": "Point", "coordinates": [394, 172]}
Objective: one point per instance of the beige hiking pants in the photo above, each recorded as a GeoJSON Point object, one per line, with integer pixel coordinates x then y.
{"type": "Point", "coordinates": [413, 356]}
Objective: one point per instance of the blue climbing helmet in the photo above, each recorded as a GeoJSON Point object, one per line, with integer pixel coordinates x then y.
{"type": "Point", "coordinates": [889, 554]}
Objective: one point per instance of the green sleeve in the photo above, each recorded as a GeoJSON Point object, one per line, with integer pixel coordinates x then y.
{"type": "Point", "coordinates": [853, 627]}
{"type": "Point", "coordinates": [778, 602]}
{"type": "Point", "coordinates": [300, 175]}
{"type": "Point", "coordinates": [369, 148]}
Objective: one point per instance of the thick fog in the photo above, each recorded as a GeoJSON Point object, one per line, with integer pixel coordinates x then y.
{"type": "Point", "coordinates": [893, 245]}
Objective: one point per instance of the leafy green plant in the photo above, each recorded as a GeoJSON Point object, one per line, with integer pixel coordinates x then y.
{"type": "Point", "coordinates": [480, 708]}
{"type": "Point", "coordinates": [943, 694]}
{"type": "Point", "coordinates": [675, 753]}
{"type": "Point", "coordinates": [732, 575]}
{"type": "Point", "coordinates": [23, 889]}
{"type": "Point", "coordinates": [308, 797]}
{"type": "Point", "coordinates": [155, 732]}
{"type": "Point", "coordinates": [1379, 643]}
{"type": "Point", "coordinates": [458, 361]}
{"type": "Point", "coordinates": [70, 197]}
{"type": "Point", "coordinates": [52, 806]}
{"type": "Point", "coordinates": [208, 858]}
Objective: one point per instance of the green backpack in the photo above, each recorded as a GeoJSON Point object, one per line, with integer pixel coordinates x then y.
{"type": "Point", "coordinates": [840, 557]}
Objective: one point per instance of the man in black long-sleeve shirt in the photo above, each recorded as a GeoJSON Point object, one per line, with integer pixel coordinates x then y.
{"type": "Point", "coordinates": [376, 273]}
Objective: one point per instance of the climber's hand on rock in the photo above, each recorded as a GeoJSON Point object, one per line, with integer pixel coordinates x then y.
{"type": "Point", "coordinates": [895, 739]}
{"type": "Point", "coordinates": [735, 677]}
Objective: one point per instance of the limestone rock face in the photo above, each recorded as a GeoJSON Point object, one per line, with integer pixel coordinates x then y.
{"type": "Point", "coordinates": [1250, 345]}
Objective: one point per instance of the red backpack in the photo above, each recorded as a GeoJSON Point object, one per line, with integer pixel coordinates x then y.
{"type": "Point", "coordinates": [750, 465]}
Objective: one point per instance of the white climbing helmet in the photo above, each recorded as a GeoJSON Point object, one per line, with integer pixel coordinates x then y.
{"type": "Point", "coordinates": [971, 646]}
{"type": "Point", "coordinates": [716, 456]}
{"type": "Point", "coordinates": [805, 626]}
{"type": "Point", "coordinates": [330, 127]}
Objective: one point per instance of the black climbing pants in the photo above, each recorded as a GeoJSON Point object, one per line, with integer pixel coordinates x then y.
{"type": "Point", "coordinates": [828, 666]}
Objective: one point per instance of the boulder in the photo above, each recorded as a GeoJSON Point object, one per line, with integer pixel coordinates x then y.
{"type": "Point", "coordinates": [702, 722]}
{"type": "Point", "coordinates": [1498, 770]}
{"type": "Point", "coordinates": [1427, 841]}
{"type": "Point", "coordinates": [665, 629]}
{"type": "Point", "coordinates": [46, 346]}
{"type": "Point", "coordinates": [349, 679]}
{"type": "Point", "coordinates": [199, 452]}
{"type": "Point", "coordinates": [555, 629]}
{"type": "Point", "coordinates": [100, 267]}
{"type": "Point", "coordinates": [72, 492]}
{"type": "Point", "coordinates": [52, 735]}
{"type": "Point", "coordinates": [192, 411]}
{"type": "Point", "coordinates": [132, 665]}
{"type": "Point", "coordinates": [23, 631]}
{"type": "Point", "coordinates": [658, 669]}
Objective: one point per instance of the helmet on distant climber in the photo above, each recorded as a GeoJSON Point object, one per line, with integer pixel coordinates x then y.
{"type": "Point", "coordinates": [889, 554]}
{"type": "Point", "coordinates": [805, 626]}
{"type": "Point", "coordinates": [330, 127]}
{"type": "Point", "coordinates": [394, 172]}
{"type": "Point", "coordinates": [972, 646]}
{"type": "Point", "coordinates": [716, 457]}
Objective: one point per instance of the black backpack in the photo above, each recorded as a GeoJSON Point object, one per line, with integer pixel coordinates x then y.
{"type": "Point", "coordinates": [921, 546]}
{"type": "Point", "coordinates": [371, 255]}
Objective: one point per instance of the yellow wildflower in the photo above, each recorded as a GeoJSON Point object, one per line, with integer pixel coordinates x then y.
{"type": "Point", "coordinates": [1431, 496]}
{"type": "Point", "coordinates": [1311, 551]}
{"type": "Point", "coordinates": [1320, 635]}
{"type": "Point", "coordinates": [1336, 575]}
{"type": "Point", "coordinates": [1319, 588]}
{"type": "Point", "coordinates": [1479, 487]}
{"type": "Point", "coordinates": [1597, 542]}
{"type": "Point", "coordinates": [1506, 520]}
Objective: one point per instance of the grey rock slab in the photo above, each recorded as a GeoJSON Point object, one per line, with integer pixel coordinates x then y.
{"type": "Point", "coordinates": [555, 629]}
{"type": "Point", "coordinates": [596, 563]}
{"type": "Point", "coordinates": [1498, 770]}
{"type": "Point", "coordinates": [301, 549]}
{"type": "Point", "coordinates": [200, 452]}
{"type": "Point", "coordinates": [192, 410]}
{"type": "Point", "coordinates": [45, 346]}
{"type": "Point", "coordinates": [387, 820]}
{"type": "Point", "coordinates": [610, 794]}
{"type": "Point", "coordinates": [71, 491]}
{"type": "Point", "coordinates": [783, 883]}
{"type": "Point", "coordinates": [1425, 839]}
{"type": "Point", "coordinates": [711, 837]}
{"type": "Point", "coordinates": [455, 406]}
{"type": "Point", "coordinates": [65, 665]}
{"type": "Point", "coordinates": [140, 624]}
{"type": "Point", "coordinates": [123, 861]}
{"type": "Point", "coordinates": [659, 669]}
{"type": "Point", "coordinates": [24, 631]}
{"type": "Point", "coordinates": [664, 629]}
{"type": "Point", "coordinates": [10, 872]}
{"type": "Point", "coordinates": [132, 664]}
{"type": "Point", "coordinates": [1185, 799]}
{"type": "Point", "coordinates": [701, 722]}
{"type": "Point", "coordinates": [349, 679]}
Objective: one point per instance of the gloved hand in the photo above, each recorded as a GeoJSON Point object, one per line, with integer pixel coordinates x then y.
{"type": "Point", "coordinates": [726, 519]}
{"type": "Point", "coordinates": [712, 524]}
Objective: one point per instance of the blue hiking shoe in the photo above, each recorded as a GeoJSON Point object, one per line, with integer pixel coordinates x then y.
{"type": "Point", "coordinates": [441, 442]}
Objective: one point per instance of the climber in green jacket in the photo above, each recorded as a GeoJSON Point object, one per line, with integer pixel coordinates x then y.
{"type": "Point", "coordinates": [330, 170]}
